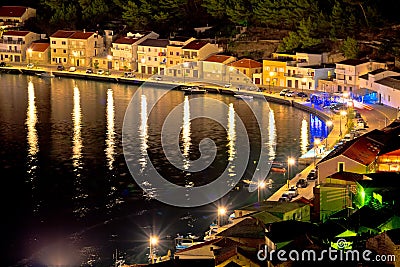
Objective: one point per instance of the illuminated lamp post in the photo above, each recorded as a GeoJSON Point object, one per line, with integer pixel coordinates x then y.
{"type": "Point", "coordinates": [153, 242]}
{"type": "Point", "coordinates": [221, 212]}
{"type": "Point", "coordinates": [109, 62]}
{"type": "Point", "coordinates": [303, 83]}
{"type": "Point", "coordinates": [143, 61]}
{"type": "Point", "coordinates": [261, 185]}
{"type": "Point", "coordinates": [291, 161]}
{"type": "Point", "coordinates": [317, 142]}
{"type": "Point", "coordinates": [30, 55]}
{"type": "Point", "coordinates": [328, 124]}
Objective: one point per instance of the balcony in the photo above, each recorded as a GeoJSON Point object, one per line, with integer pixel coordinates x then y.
{"type": "Point", "coordinates": [10, 51]}
{"type": "Point", "coordinates": [3, 41]}
{"type": "Point", "coordinates": [340, 71]}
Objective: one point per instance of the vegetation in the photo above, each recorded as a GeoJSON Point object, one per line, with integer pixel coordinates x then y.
{"type": "Point", "coordinates": [311, 22]}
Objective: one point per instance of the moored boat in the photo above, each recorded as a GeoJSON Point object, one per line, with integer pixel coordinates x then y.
{"type": "Point", "coordinates": [244, 97]}
{"type": "Point", "coordinates": [194, 90]}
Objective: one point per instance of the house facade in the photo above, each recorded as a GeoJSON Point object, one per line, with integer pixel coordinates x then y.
{"type": "Point", "coordinates": [14, 44]}
{"type": "Point", "coordinates": [15, 15]}
{"type": "Point", "coordinates": [247, 68]}
{"type": "Point", "coordinates": [198, 50]}
{"type": "Point", "coordinates": [124, 50]}
{"type": "Point", "coordinates": [39, 53]}
{"type": "Point", "coordinates": [175, 51]}
{"type": "Point", "coordinates": [75, 48]}
{"type": "Point", "coordinates": [152, 55]}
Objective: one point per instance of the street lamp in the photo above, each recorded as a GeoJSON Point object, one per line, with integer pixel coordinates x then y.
{"type": "Point", "coordinates": [153, 241]}
{"type": "Point", "coordinates": [271, 75]}
{"type": "Point", "coordinates": [290, 161]}
{"type": "Point", "coordinates": [317, 141]}
{"type": "Point", "coordinates": [328, 124]}
{"type": "Point", "coordinates": [109, 59]}
{"type": "Point", "coordinates": [30, 54]}
{"type": "Point", "coordinates": [342, 113]}
{"type": "Point", "coordinates": [75, 55]}
{"type": "Point", "coordinates": [143, 61]}
{"type": "Point", "coordinates": [221, 212]}
{"type": "Point", "coordinates": [260, 185]}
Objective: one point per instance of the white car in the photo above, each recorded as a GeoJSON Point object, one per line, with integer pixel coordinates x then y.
{"type": "Point", "coordinates": [30, 65]}
{"type": "Point", "coordinates": [283, 92]}
{"type": "Point", "coordinates": [228, 85]}
{"type": "Point", "coordinates": [290, 93]}
{"type": "Point", "coordinates": [72, 69]}
{"type": "Point", "coordinates": [100, 72]}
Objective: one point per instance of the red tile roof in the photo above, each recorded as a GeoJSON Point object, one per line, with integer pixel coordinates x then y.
{"type": "Point", "coordinates": [12, 11]}
{"type": "Point", "coordinates": [16, 33]}
{"type": "Point", "coordinates": [246, 63]}
{"type": "Point", "coordinates": [195, 45]}
{"type": "Point", "coordinates": [62, 34]}
{"type": "Point", "coordinates": [126, 40]}
{"type": "Point", "coordinates": [218, 58]}
{"type": "Point", "coordinates": [39, 47]}
{"type": "Point", "coordinates": [81, 35]}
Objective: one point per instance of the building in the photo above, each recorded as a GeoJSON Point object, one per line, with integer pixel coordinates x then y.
{"type": "Point", "coordinates": [248, 67]}
{"type": "Point", "coordinates": [386, 243]}
{"type": "Point", "coordinates": [15, 15]}
{"type": "Point", "coordinates": [14, 44]}
{"type": "Point", "coordinates": [39, 53]}
{"type": "Point", "coordinates": [124, 50]}
{"type": "Point", "coordinates": [308, 77]}
{"type": "Point", "coordinates": [281, 210]}
{"type": "Point", "coordinates": [75, 48]}
{"type": "Point", "coordinates": [198, 50]}
{"type": "Point", "coordinates": [152, 56]}
{"type": "Point", "coordinates": [175, 51]}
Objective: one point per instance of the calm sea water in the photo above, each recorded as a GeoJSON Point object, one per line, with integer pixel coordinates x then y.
{"type": "Point", "coordinates": [68, 196]}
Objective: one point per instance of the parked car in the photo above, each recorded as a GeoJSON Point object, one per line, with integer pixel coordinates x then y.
{"type": "Point", "coordinates": [301, 94]}
{"type": "Point", "coordinates": [284, 199]}
{"type": "Point", "coordinates": [290, 93]}
{"type": "Point", "coordinates": [2, 64]}
{"type": "Point", "coordinates": [283, 92]}
{"type": "Point", "coordinates": [312, 175]}
{"type": "Point", "coordinates": [302, 183]}
{"type": "Point", "coordinates": [60, 67]}
{"type": "Point", "coordinates": [129, 75]}
{"type": "Point", "coordinates": [30, 65]}
{"type": "Point", "coordinates": [89, 71]}
{"type": "Point", "coordinates": [100, 72]}
{"type": "Point", "coordinates": [228, 85]}
{"type": "Point", "coordinates": [293, 192]}
{"type": "Point", "coordinates": [72, 69]}
{"type": "Point", "coordinates": [286, 196]}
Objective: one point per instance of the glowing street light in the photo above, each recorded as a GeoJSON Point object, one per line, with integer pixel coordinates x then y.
{"type": "Point", "coordinates": [185, 65]}
{"type": "Point", "coordinates": [271, 75]}
{"type": "Point", "coordinates": [231, 69]}
{"type": "Point", "coordinates": [342, 113]}
{"type": "Point", "coordinates": [317, 142]}
{"type": "Point", "coordinates": [261, 185]}
{"type": "Point", "coordinates": [221, 212]}
{"type": "Point", "coordinates": [303, 83]}
{"type": "Point", "coordinates": [153, 242]}
{"type": "Point", "coordinates": [328, 124]}
{"type": "Point", "coordinates": [290, 161]}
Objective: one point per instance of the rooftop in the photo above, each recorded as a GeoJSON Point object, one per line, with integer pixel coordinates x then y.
{"type": "Point", "coordinates": [347, 176]}
{"type": "Point", "coordinates": [126, 40]}
{"type": "Point", "coordinates": [16, 33]}
{"type": "Point", "coordinates": [155, 42]}
{"type": "Point", "coordinates": [62, 34]}
{"type": "Point", "coordinates": [217, 58]}
{"type": "Point", "coordinates": [81, 35]}
{"type": "Point", "coordinates": [195, 45]}
{"type": "Point", "coordinates": [39, 47]}
{"type": "Point", "coordinates": [246, 63]}
{"type": "Point", "coordinates": [377, 71]}
{"type": "Point", "coordinates": [392, 82]}
{"type": "Point", "coordinates": [12, 11]}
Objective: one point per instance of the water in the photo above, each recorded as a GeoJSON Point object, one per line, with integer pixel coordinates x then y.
{"type": "Point", "coordinates": [69, 198]}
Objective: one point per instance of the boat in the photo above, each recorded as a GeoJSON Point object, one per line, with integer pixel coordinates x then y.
{"type": "Point", "coordinates": [186, 242]}
{"type": "Point", "coordinates": [244, 97]}
{"type": "Point", "coordinates": [194, 90]}
{"type": "Point", "coordinates": [278, 167]}
{"type": "Point", "coordinates": [45, 75]}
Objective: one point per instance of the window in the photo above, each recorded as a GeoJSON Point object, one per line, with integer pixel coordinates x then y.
{"type": "Point", "coordinates": [54, 50]}
{"type": "Point", "coordinates": [63, 43]}
{"type": "Point", "coordinates": [177, 53]}
{"type": "Point", "coordinates": [64, 51]}
{"type": "Point", "coordinates": [350, 78]}
{"type": "Point", "coordinates": [40, 55]}
{"type": "Point", "coordinates": [53, 42]}
{"type": "Point", "coordinates": [388, 98]}
{"type": "Point", "coordinates": [171, 53]}
{"type": "Point", "coordinates": [149, 58]}
{"type": "Point", "coordinates": [244, 71]}
{"type": "Point", "coordinates": [149, 49]}
{"type": "Point", "coordinates": [65, 60]}
{"type": "Point", "coordinates": [54, 59]}
{"type": "Point", "coordinates": [171, 62]}
{"type": "Point", "coordinates": [340, 166]}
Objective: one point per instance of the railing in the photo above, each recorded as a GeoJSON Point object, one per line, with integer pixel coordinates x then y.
{"type": "Point", "coordinates": [3, 41]}
{"type": "Point", "coordinates": [10, 51]}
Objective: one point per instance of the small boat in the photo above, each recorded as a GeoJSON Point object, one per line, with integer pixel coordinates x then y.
{"type": "Point", "coordinates": [45, 75]}
{"type": "Point", "coordinates": [185, 242]}
{"type": "Point", "coordinates": [278, 167]}
{"type": "Point", "coordinates": [194, 90]}
{"type": "Point", "coordinates": [244, 97]}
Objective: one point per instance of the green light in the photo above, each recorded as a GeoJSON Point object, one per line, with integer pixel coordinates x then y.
{"type": "Point", "coordinates": [362, 195]}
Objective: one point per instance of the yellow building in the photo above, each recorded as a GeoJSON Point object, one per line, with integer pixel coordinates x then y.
{"type": "Point", "coordinates": [38, 53]}
{"type": "Point", "coordinates": [152, 56]}
{"type": "Point", "coordinates": [174, 50]}
{"type": "Point", "coordinates": [75, 48]}
{"type": "Point", "coordinates": [13, 45]}
{"type": "Point", "coordinates": [248, 67]}
{"type": "Point", "coordinates": [274, 72]}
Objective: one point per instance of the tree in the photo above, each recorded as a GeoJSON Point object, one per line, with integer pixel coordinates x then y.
{"type": "Point", "coordinates": [94, 11]}
{"type": "Point", "coordinates": [131, 15]}
{"type": "Point", "coordinates": [350, 48]}
{"type": "Point", "coordinates": [290, 43]}
{"type": "Point", "coordinates": [215, 8]}
{"type": "Point", "coordinates": [337, 22]}
{"type": "Point", "coordinates": [305, 32]}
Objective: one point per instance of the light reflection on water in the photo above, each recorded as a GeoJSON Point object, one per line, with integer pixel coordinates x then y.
{"type": "Point", "coordinates": [304, 137]}
{"type": "Point", "coordinates": [78, 129]}
{"type": "Point", "coordinates": [186, 133]}
{"type": "Point", "coordinates": [33, 143]}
